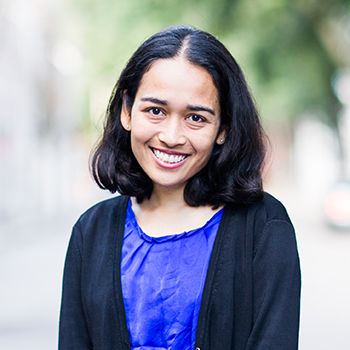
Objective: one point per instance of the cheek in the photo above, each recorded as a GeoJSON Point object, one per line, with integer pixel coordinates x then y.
{"type": "Point", "coordinates": [208, 151]}
{"type": "Point", "coordinates": [140, 136]}
{"type": "Point", "coordinates": [141, 128]}
{"type": "Point", "coordinates": [205, 144]}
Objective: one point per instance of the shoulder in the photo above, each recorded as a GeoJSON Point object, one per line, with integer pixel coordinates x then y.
{"type": "Point", "coordinates": [261, 212]}
{"type": "Point", "coordinates": [268, 210]}
{"type": "Point", "coordinates": [272, 226]}
{"type": "Point", "coordinates": [103, 216]}
{"type": "Point", "coordinates": [274, 209]}
{"type": "Point", "coordinates": [104, 209]}
{"type": "Point", "coordinates": [266, 219]}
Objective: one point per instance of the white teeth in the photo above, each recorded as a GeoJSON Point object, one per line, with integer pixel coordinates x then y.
{"type": "Point", "coordinates": [166, 158]}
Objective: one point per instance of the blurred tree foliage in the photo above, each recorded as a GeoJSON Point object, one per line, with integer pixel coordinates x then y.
{"type": "Point", "coordinates": [289, 49]}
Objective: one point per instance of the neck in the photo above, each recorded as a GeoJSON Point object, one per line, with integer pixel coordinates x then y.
{"type": "Point", "coordinates": [166, 212]}
{"type": "Point", "coordinates": [167, 198]}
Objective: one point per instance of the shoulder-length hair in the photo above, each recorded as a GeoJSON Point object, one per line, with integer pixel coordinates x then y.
{"type": "Point", "coordinates": [233, 174]}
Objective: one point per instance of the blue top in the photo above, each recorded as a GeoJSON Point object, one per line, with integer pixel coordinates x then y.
{"type": "Point", "coordinates": [162, 283]}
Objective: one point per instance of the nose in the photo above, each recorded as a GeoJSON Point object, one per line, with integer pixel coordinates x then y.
{"type": "Point", "coordinates": [172, 133]}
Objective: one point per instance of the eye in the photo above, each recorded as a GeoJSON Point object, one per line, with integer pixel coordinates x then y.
{"type": "Point", "coordinates": [196, 118]}
{"type": "Point", "coordinates": [155, 111]}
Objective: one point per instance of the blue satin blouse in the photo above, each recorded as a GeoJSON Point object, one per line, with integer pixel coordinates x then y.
{"type": "Point", "coordinates": [162, 283]}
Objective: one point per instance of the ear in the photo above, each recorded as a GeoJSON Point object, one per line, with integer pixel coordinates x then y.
{"type": "Point", "coordinates": [125, 115]}
{"type": "Point", "coordinates": [220, 139]}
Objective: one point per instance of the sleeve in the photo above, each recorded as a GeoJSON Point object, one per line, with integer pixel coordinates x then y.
{"type": "Point", "coordinates": [276, 289]}
{"type": "Point", "coordinates": [73, 332]}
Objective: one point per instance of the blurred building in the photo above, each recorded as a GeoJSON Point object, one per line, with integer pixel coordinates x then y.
{"type": "Point", "coordinates": [40, 156]}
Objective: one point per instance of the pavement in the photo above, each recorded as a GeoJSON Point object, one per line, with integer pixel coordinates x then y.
{"type": "Point", "coordinates": [31, 262]}
{"type": "Point", "coordinates": [325, 263]}
{"type": "Point", "coordinates": [32, 253]}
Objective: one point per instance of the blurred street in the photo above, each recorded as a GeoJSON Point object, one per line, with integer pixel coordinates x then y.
{"type": "Point", "coordinates": [325, 262]}
{"type": "Point", "coordinates": [32, 256]}
{"type": "Point", "coordinates": [32, 253]}
{"type": "Point", "coordinates": [31, 262]}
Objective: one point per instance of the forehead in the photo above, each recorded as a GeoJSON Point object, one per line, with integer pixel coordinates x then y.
{"type": "Point", "coordinates": [178, 79]}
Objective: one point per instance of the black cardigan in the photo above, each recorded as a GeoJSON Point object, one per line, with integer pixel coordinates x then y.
{"type": "Point", "coordinates": [251, 294]}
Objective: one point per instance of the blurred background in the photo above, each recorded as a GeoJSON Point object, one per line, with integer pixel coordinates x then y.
{"type": "Point", "coordinates": [59, 61]}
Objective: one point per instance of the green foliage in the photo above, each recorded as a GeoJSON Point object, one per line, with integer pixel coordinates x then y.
{"type": "Point", "coordinates": [279, 43]}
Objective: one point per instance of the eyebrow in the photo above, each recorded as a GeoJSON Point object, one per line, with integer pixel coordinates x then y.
{"type": "Point", "coordinates": [189, 107]}
{"type": "Point", "coordinates": [200, 108]}
{"type": "Point", "coordinates": [155, 100]}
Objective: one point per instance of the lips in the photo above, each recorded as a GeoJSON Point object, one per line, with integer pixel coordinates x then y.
{"type": "Point", "coordinates": [171, 158]}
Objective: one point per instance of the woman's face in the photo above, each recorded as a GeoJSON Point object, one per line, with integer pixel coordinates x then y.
{"type": "Point", "coordinates": [174, 121]}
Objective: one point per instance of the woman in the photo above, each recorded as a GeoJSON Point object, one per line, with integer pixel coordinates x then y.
{"type": "Point", "coordinates": [193, 254]}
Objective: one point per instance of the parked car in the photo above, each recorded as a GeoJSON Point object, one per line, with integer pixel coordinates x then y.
{"type": "Point", "coordinates": [337, 205]}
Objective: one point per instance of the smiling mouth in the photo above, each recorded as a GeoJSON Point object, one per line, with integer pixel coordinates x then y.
{"type": "Point", "coordinates": [168, 158]}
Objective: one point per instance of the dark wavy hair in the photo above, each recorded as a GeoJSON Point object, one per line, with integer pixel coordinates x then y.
{"type": "Point", "coordinates": [233, 174]}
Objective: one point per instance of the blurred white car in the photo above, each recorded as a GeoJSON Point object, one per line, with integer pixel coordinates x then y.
{"type": "Point", "coordinates": [337, 205]}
